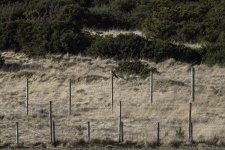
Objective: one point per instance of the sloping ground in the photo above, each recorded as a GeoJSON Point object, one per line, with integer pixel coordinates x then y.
{"type": "Point", "coordinates": [91, 101]}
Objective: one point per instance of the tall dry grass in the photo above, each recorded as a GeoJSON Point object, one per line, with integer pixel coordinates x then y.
{"type": "Point", "coordinates": [91, 100]}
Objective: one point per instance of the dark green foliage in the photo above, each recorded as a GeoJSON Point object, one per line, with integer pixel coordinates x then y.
{"type": "Point", "coordinates": [134, 47]}
{"type": "Point", "coordinates": [45, 26]}
{"type": "Point", "coordinates": [2, 61]}
{"type": "Point", "coordinates": [133, 67]}
{"type": "Point", "coordinates": [187, 21]}
{"type": "Point", "coordinates": [214, 54]}
{"type": "Point", "coordinates": [39, 27]}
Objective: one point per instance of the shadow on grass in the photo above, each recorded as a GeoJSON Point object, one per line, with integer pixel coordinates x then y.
{"type": "Point", "coordinates": [15, 67]}
{"type": "Point", "coordinates": [111, 144]}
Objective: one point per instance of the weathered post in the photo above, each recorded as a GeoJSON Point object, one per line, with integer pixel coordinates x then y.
{"type": "Point", "coordinates": [17, 133]}
{"type": "Point", "coordinates": [112, 95]}
{"type": "Point", "coordinates": [50, 120]}
{"type": "Point", "coordinates": [112, 78]}
{"type": "Point", "coordinates": [189, 121]}
{"type": "Point", "coordinates": [120, 117]}
{"type": "Point", "coordinates": [70, 96]}
{"type": "Point", "coordinates": [89, 131]}
{"type": "Point", "coordinates": [193, 85]}
{"type": "Point", "coordinates": [191, 139]}
{"type": "Point", "coordinates": [53, 132]}
{"type": "Point", "coordinates": [158, 132]}
{"type": "Point", "coordinates": [27, 95]}
{"type": "Point", "coordinates": [151, 86]}
{"type": "Point", "coordinates": [121, 131]}
{"type": "Point", "coordinates": [120, 120]}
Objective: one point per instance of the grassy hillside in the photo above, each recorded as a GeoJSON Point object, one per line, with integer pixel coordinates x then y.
{"type": "Point", "coordinates": [91, 101]}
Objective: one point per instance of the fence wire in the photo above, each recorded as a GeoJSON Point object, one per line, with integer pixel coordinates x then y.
{"type": "Point", "coordinates": [140, 122]}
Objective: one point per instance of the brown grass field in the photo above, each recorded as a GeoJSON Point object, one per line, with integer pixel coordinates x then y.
{"type": "Point", "coordinates": [91, 101]}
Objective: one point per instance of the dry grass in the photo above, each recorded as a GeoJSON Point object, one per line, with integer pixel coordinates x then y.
{"type": "Point", "coordinates": [115, 33]}
{"type": "Point", "coordinates": [91, 101]}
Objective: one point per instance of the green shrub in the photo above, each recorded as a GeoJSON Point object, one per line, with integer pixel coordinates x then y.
{"type": "Point", "coordinates": [126, 47]}
{"type": "Point", "coordinates": [214, 54]}
{"type": "Point", "coordinates": [133, 67]}
{"type": "Point", "coordinates": [39, 27]}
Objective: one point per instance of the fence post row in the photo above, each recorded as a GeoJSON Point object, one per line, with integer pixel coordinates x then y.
{"type": "Point", "coordinates": [17, 133]}
{"type": "Point", "coordinates": [50, 120]}
{"type": "Point", "coordinates": [27, 95]}
{"type": "Point", "coordinates": [193, 85]}
{"type": "Point", "coordinates": [151, 86]}
{"type": "Point", "coordinates": [121, 124]}
{"type": "Point", "coordinates": [70, 96]}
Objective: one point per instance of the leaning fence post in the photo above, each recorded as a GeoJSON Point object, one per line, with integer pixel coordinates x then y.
{"type": "Point", "coordinates": [193, 84]}
{"type": "Point", "coordinates": [17, 133]}
{"type": "Point", "coordinates": [89, 131]}
{"type": "Point", "coordinates": [53, 132]}
{"type": "Point", "coordinates": [158, 132]}
{"type": "Point", "coordinates": [189, 121]}
{"type": "Point", "coordinates": [151, 86]}
{"type": "Point", "coordinates": [69, 109]}
{"type": "Point", "coordinates": [50, 119]}
{"type": "Point", "coordinates": [27, 95]}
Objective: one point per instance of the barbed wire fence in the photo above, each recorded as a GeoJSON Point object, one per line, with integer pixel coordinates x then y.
{"type": "Point", "coordinates": [73, 123]}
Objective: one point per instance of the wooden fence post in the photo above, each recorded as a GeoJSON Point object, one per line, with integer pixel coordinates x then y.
{"type": "Point", "coordinates": [112, 92]}
{"type": "Point", "coordinates": [189, 121]}
{"type": "Point", "coordinates": [50, 120]}
{"type": "Point", "coordinates": [89, 131]}
{"type": "Point", "coordinates": [120, 120]}
{"type": "Point", "coordinates": [17, 133]}
{"type": "Point", "coordinates": [193, 85]}
{"type": "Point", "coordinates": [120, 117]}
{"type": "Point", "coordinates": [158, 132]}
{"type": "Point", "coordinates": [121, 128]}
{"type": "Point", "coordinates": [191, 139]}
{"type": "Point", "coordinates": [27, 95]}
{"type": "Point", "coordinates": [151, 86]}
{"type": "Point", "coordinates": [70, 96]}
{"type": "Point", "coordinates": [53, 132]}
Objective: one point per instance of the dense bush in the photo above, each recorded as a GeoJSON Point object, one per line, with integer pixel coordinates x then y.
{"type": "Point", "coordinates": [133, 67]}
{"type": "Point", "coordinates": [186, 20]}
{"type": "Point", "coordinates": [44, 27]}
{"type": "Point", "coordinates": [39, 38]}
{"type": "Point", "coordinates": [214, 54]}
{"type": "Point", "coordinates": [134, 47]}
{"type": "Point", "coordinates": [38, 27]}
